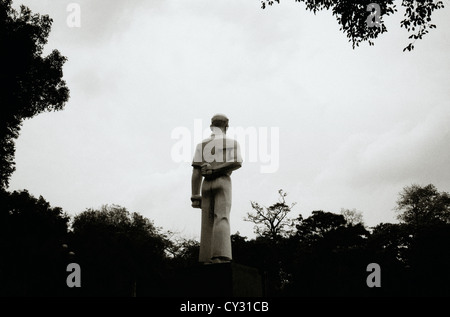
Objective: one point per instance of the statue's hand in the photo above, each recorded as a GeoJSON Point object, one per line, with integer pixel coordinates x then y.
{"type": "Point", "coordinates": [196, 201]}
{"type": "Point", "coordinates": [207, 169]}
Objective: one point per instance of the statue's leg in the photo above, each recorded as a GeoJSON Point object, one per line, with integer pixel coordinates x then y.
{"type": "Point", "coordinates": [207, 223]}
{"type": "Point", "coordinates": [221, 246]}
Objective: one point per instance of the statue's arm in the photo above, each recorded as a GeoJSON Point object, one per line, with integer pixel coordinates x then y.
{"type": "Point", "coordinates": [196, 182]}
{"type": "Point", "coordinates": [226, 167]}
{"type": "Point", "coordinates": [233, 161]}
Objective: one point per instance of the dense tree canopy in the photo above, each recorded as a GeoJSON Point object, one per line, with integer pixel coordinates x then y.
{"type": "Point", "coordinates": [31, 83]}
{"type": "Point", "coordinates": [421, 205]}
{"type": "Point", "coordinates": [31, 237]}
{"type": "Point", "coordinates": [121, 253]}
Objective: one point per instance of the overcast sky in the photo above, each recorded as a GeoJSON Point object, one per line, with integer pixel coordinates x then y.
{"type": "Point", "coordinates": [355, 126]}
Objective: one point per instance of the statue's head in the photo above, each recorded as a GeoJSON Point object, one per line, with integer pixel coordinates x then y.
{"type": "Point", "coordinates": [219, 121]}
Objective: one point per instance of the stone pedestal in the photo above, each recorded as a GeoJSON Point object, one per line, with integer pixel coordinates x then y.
{"type": "Point", "coordinates": [219, 280]}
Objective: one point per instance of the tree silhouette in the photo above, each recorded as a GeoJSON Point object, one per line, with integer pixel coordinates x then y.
{"type": "Point", "coordinates": [31, 237]}
{"type": "Point", "coordinates": [428, 258]}
{"type": "Point", "coordinates": [356, 17]}
{"type": "Point", "coordinates": [414, 251]}
{"type": "Point", "coordinates": [271, 221]}
{"type": "Point", "coordinates": [389, 245]}
{"type": "Point", "coordinates": [419, 205]}
{"type": "Point", "coordinates": [30, 82]}
{"type": "Point", "coordinates": [324, 254]}
{"type": "Point", "coordinates": [182, 251]}
{"type": "Point", "coordinates": [328, 256]}
{"type": "Point", "coordinates": [352, 217]}
{"type": "Point", "coordinates": [120, 253]}
{"type": "Point", "coordinates": [318, 225]}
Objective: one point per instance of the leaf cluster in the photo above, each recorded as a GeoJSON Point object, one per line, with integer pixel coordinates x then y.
{"type": "Point", "coordinates": [352, 17]}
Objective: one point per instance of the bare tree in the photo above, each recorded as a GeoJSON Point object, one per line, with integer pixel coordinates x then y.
{"type": "Point", "coordinates": [271, 221]}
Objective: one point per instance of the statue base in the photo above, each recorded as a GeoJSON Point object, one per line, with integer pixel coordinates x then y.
{"type": "Point", "coordinates": [219, 280]}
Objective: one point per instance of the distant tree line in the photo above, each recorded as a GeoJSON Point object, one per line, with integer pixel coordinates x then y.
{"type": "Point", "coordinates": [122, 253]}
{"type": "Point", "coordinates": [326, 254]}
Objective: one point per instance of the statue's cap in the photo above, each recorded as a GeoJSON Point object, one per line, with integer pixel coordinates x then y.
{"type": "Point", "coordinates": [219, 120]}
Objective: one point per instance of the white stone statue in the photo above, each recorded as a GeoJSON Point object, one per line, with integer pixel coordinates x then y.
{"type": "Point", "coordinates": [214, 160]}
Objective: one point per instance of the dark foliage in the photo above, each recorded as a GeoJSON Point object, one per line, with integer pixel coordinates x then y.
{"type": "Point", "coordinates": [423, 205]}
{"type": "Point", "coordinates": [32, 234]}
{"type": "Point", "coordinates": [121, 253]}
{"type": "Point", "coordinates": [30, 82]}
{"type": "Point", "coordinates": [124, 254]}
{"type": "Point", "coordinates": [355, 18]}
